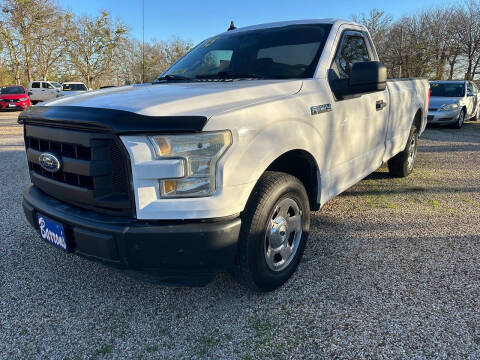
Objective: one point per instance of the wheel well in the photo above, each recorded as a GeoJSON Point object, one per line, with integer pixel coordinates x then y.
{"type": "Point", "coordinates": [417, 120]}
{"type": "Point", "coordinates": [303, 166]}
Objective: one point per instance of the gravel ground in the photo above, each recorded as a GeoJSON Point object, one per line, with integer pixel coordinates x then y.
{"type": "Point", "coordinates": [391, 271]}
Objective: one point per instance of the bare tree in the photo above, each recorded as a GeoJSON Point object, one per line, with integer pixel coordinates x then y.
{"type": "Point", "coordinates": [28, 21]}
{"type": "Point", "coordinates": [468, 35]}
{"type": "Point", "coordinates": [378, 24]}
{"type": "Point", "coordinates": [91, 45]}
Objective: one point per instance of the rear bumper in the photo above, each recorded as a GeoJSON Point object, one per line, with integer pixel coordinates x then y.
{"type": "Point", "coordinates": [139, 245]}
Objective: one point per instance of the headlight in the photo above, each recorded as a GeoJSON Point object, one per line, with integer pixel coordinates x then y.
{"type": "Point", "coordinates": [23, 99]}
{"type": "Point", "coordinates": [201, 153]}
{"type": "Point", "coordinates": [449, 107]}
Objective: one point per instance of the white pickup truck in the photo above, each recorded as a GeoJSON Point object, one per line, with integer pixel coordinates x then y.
{"type": "Point", "coordinates": [43, 90]}
{"type": "Point", "coordinates": [218, 163]}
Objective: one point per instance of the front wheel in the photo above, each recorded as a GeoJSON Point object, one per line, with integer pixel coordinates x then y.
{"type": "Point", "coordinates": [401, 165]}
{"type": "Point", "coordinates": [460, 120]}
{"type": "Point", "coordinates": [275, 226]}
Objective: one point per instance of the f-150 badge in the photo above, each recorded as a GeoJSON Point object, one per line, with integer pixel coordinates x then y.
{"type": "Point", "coordinates": [318, 109]}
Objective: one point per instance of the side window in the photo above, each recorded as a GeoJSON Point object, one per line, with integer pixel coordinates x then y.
{"type": "Point", "coordinates": [35, 85]}
{"type": "Point", "coordinates": [46, 85]}
{"type": "Point", "coordinates": [353, 48]}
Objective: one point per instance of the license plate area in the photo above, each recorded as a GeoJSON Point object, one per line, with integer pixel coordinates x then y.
{"type": "Point", "coordinates": [11, 105]}
{"type": "Point", "coordinates": [52, 232]}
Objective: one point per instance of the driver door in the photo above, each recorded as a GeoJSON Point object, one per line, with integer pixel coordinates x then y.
{"type": "Point", "coordinates": [48, 91]}
{"type": "Point", "coordinates": [360, 121]}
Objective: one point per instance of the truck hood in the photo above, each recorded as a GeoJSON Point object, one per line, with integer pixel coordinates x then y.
{"type": "Point", "coordinates": [437, 101]}
{"type": "Point", "coordinates": [181, 98]}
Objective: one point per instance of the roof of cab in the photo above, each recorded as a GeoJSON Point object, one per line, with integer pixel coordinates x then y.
{"type": "Point", "coordinates": [293, 22]}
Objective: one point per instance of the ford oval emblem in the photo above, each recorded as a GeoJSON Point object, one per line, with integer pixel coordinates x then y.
{"type": "Point", "coordinates": [49, 162]}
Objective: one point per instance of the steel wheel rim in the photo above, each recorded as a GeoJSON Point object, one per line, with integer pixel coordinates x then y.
{"type": "Point", "coordinates": [412, 152]}
{"type": "Point", "coordinates": [283, 234]}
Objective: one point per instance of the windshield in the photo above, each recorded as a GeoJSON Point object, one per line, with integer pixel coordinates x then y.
{"type": "Point", "coordinates": [56, 84]}
{"type": "Point", "coordinates": [10, 90]}
{"type": "Point", "coordinates": [275, 53]}
{"type": "Point", "coordinates": [74, 87]}
{"type": "Point", "coordinates": [447, 89]}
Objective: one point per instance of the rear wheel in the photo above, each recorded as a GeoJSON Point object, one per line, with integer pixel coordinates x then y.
{"type": "Point", "coordinates": [401, 165]}
{"type": "Point", "coordinates": [275, 226]}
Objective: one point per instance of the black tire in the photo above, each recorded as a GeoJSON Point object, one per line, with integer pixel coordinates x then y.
{"type": "Point", "coordinates": [460, 120]}
{"type": "Point", "coordinates": [476, 116]}
{"type": "Point", "coordinates": [399, 165]}
{"type": "Point", "coordinates": [272, 189]}
{"type": "Point", "coordinates": [34, 102]}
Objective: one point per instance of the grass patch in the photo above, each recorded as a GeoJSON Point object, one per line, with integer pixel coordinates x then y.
{"type": "Point", "coordinates": [206, 344]}
{"type": "Point", "coordinates": [380, 201]}
{"type": "Point", "coordinates": [152, 348]}
{"type": "Point", "coordinates": [102, 351]}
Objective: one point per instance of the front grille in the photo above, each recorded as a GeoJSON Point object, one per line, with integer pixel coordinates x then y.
{"type": "Point", "coordinates": [432, 109]}
{"type": "Point", "coordinates": [64, 149]}
{"type": "Point", "coordinates": [93, 173]}
{"type": "Point", "coordinates": [65, 177]}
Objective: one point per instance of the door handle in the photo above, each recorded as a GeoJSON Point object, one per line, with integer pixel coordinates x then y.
{"type": "Point", "coordinates": [380, 105]}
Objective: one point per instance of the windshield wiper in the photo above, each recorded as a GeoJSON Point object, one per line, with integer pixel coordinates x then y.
{"type": "Point", "coordinates": [172, 78]}
{"type": "Point", "coordinates": [229, 75]}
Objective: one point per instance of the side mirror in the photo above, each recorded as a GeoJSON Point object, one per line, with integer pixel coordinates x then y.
{"type": "Point", "coordinates": [469, 93]}
{"type": "Point", "coordinates": [369, 76]}
{"type": "Point", "coordinates": [365, 77]}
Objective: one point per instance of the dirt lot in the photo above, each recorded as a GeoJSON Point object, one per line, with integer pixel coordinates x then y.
{"type": "Point", "coordinates": [391, 271]}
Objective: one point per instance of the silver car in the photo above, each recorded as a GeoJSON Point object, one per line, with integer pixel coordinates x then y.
{"type": "Point", "coordinates": [453, 102]}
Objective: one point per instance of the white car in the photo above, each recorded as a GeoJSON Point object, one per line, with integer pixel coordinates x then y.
{"type": "Point", "coordinates": [452, 102]}
{"type": "Point", "coordinates": [43, 90]}
{"type": "Point", "coordinates": [73, 88]}
{"type": "Point", "coordinates": [218, 163]}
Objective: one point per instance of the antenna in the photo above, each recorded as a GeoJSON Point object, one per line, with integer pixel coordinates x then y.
{"type": "Point", "coordinates": [232, 26]}
{"type": "Point", "coordinates": [143, 41]}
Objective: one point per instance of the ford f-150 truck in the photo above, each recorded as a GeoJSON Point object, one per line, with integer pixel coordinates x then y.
{"type": "Point", "coordinates": [218, 163]}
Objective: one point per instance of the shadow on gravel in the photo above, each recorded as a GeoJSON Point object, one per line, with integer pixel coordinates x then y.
{"type": "Point", "coordinates": [410, 190]}
{"type": "Point", "coordinates": [445, 148]}
{"type": "Point", "coordinates": [470, 133]}
{"type": "Point", "coordinates": [378, 175]}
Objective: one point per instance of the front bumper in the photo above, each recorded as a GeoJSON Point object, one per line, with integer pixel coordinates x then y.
{"type": "Point", "coordinates": [443, 117]}
{"type": "Point", "coordinates": [20, 105]}
{"type": "Point", "coordinates": [139, 245]}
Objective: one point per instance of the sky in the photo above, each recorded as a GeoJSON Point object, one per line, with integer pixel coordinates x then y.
{"type": "Point", "coordinates": [197, 20]}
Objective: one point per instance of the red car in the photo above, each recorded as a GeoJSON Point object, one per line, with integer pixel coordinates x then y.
{"type": "Point", "coordinates": [14, 97]}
